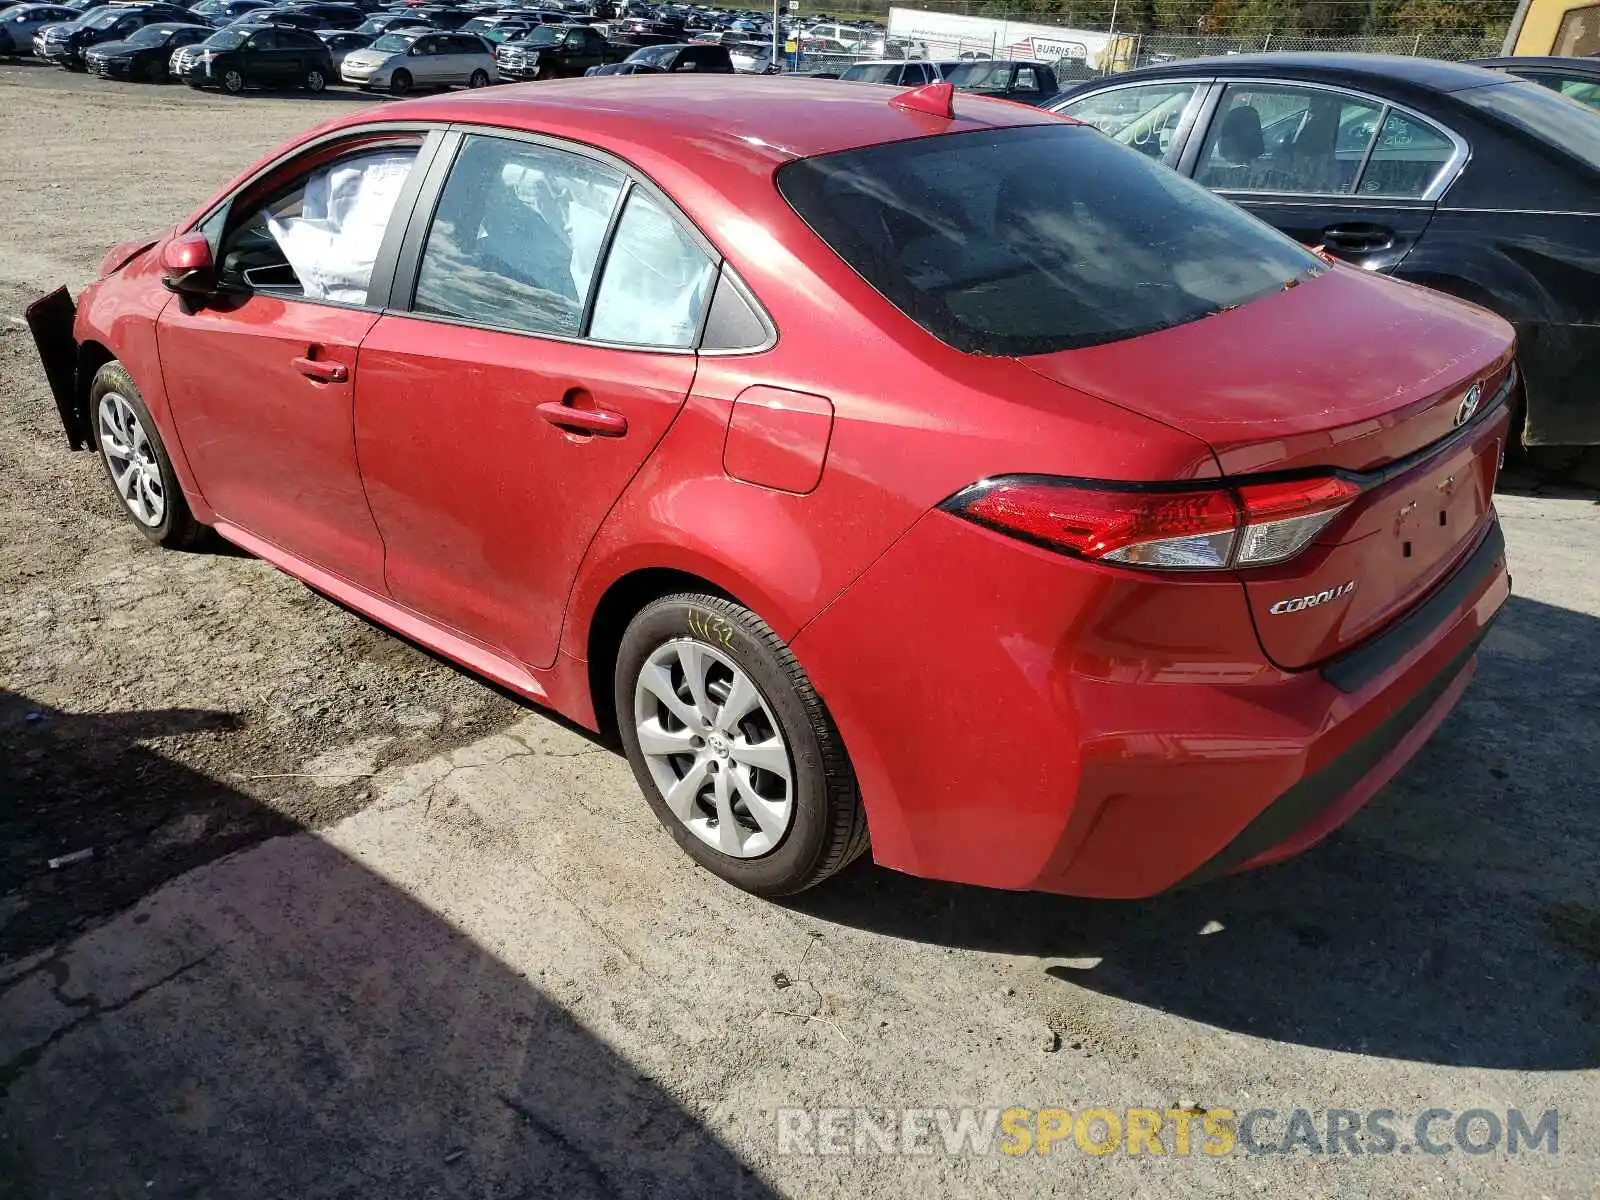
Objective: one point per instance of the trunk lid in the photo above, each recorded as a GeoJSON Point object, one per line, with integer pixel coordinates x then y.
{"type": "Point", "coordinates": [1349, 372]}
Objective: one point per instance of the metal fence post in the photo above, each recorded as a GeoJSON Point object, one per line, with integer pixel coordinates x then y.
{"type": "Point", "coordinates": [1416, 48]}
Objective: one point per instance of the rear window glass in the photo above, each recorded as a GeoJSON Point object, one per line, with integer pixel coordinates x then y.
{"type": "Point", "coordinates": [1551, 118]}
{"type": "Point", "coordinates": [1037, 239]}
{"type": "Point", "coordinates": [872, 73]}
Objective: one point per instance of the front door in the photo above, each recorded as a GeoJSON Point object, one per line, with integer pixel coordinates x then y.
{"type": "Point", "coordinates": [261, 377]}
{"type": "Point", "coordinates": [498, 420]}
{"type": "Point", "coordinates": [1329, 168]}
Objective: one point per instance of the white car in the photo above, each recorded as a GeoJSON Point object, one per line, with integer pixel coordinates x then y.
{"type": "Point", "coordinates": [399, 62]}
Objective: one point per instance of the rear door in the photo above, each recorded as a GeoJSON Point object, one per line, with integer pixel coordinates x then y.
{"type": "Point", "coordinates": [1332, 168]}
{"type": "Point", "coordinates": [517, 383]}
{"type": "Point", "coordinates": [425, 61]}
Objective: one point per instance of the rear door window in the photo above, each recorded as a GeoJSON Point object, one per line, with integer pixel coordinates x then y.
{"type": "Point", "coordinates": [516, 236]}
{"type": "Point", "coordinates": [1036, 239]}
{"type": "Point", "coordinates": [1286, 139]}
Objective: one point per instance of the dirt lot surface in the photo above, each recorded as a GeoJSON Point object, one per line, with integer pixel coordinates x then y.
{"type": "Point", "coordinates": [357, 925]}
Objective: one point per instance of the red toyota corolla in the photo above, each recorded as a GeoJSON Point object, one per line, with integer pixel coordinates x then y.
{"type": "Point", "coordinates": [956, 475]}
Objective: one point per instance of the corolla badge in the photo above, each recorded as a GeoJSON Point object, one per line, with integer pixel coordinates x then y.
{"type": "Point", "coordinates": [1469, 404]}
{"type": "Point", "coordinates": [1301, 603]}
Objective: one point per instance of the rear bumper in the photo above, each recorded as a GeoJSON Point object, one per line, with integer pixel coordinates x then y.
{"type": "Point", "coordinates": [1022, 720]}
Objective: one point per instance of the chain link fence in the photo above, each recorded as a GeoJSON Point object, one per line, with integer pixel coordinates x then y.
{"type": "Point", "coordinates": [1164, 47]}
{"type": "Point", "coordinates": [1123, 48]}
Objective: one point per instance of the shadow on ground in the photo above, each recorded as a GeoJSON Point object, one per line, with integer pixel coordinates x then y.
{"type": "Point", "coordinates": [1455, 921]}
{"type": "Point", "coordinates": [287, 1023]}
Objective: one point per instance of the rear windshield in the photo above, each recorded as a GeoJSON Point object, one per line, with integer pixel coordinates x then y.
{"type": "Point", "coordinates": [872, 73]}
{"type": "Point", "coordinates": [980, 76]}
{"type": "Point", "coordinates": [1549, 116]}
{"type": "Point", "coordinates": [150, 35]}
{"type": "Point", "coordinates": [1036, 239]}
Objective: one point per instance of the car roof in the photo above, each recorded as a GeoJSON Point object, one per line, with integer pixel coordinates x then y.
{"type": "Point", "coordinates": [710, 120]}
{"type": "Point", "coordinates": [1583, 66]}
{"type": "Point", "coordinates": [1429, 74]}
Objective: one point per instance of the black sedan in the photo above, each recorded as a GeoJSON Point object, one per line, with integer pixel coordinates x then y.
{"type": "Point", "coordinates": [143, 56]}
{"type": "Point", "coordinates": [1575, 78]}
{"type": "Point", "coordinates": [1466, 180]}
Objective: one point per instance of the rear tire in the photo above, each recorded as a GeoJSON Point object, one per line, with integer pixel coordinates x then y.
{"type": "Point", "coordinates": [315, 80]}
{"type": "Point", "coordinates": [400, 83]}
{"type": "Point", "coordinates": [478, 79]}
{"type": "Point", "coordinates": [136, 462]}
{"type": "Point", "coordinates": [814, 823]}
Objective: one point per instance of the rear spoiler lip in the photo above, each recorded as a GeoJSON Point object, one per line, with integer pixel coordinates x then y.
{"type": "Point", "coordinates": [51, 319]}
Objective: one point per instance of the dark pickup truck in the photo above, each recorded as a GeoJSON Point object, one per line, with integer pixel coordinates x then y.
{"type": "Point", "coordinates": [556, 52]}
{"type": "Point", "coordinates": [1021, 80]}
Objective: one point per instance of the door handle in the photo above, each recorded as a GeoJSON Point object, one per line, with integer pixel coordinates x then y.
{"type": "Point", "coordinates": [596, 421]}
{"type": "Point", "coordinates": [1357, 238]}
{"type": "Point", "coordinates": [321, 370]}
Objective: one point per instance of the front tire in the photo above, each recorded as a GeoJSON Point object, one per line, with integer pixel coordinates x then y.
{"type": "Point", "coordinates": [136, 460]}
{"type": "Point", "coordinates": [400, 83]}
{"type": "Point", "coordinates": [233, 82]}
{"type": "Point", "coordinates": [315, 80]}
{"type": "Point", "coordinates": [733, 748]}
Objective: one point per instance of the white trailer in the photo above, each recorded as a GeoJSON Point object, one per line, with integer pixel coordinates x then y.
{"type": "Point", "coordinates": [950, 35]}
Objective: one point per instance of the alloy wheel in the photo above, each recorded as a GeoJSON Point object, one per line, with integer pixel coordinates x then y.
{"type": "Point", "coordinates": [233, 82]}
{"type": "Point", "coordinates": [132, 459]}
{"type": "Point", "coordinates": [714, 748]}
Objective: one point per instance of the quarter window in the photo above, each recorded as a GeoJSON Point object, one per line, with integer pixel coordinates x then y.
{"type": "Point", "coordinates": [516, 236]}
{"type": "Point", "coordinates": [1267, 138]}
{"type": "Point", "coordinates": [1144, 117]}
{"type": "Point", "coordinates": [656, 280]}
{"type": "Point", "coordinates": [1406, 160]}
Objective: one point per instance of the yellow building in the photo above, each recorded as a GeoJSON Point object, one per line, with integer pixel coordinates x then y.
{"type": "Point", "coordinates": [1565, 27]}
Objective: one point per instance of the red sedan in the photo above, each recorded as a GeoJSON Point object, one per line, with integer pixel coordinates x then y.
{"type": "Point", "coordinates": [866, 463]}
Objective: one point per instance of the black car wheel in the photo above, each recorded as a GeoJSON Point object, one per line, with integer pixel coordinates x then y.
{"type": "Point", "coordinates": [233, 81]}
{"type": "Point", "coordinates": [316, 80]}
{"type": "Point", "coordinates": [400, 82]}
{"type": "Point", "coordinates": [136, 461]}
{"type": "Point", "coordinates": [733, 748]}
{"type": "Point", "coordinates": [539, 71]}
{"type": "Point", "coordinates": [479, 79]}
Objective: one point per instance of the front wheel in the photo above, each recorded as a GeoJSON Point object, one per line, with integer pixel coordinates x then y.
{"type": "Point", "coordinates": [400, 83]}
{"type": "Point", "coordinates": [733, 748]}
{"type": "Point", "coordinates": [233, 82]}
{"type": "Point", "coordinates": [478, 79]}
{"type": "Point", "coordinates": [315, 80]}
{"type": "Point", "coordinates": [136, 460]}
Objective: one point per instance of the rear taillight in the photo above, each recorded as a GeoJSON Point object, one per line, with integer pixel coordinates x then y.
{"type": "Point", "coordinates": [1195, 529]}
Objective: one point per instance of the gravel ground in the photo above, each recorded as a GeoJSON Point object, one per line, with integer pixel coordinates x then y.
{"type": "Point", "coordinates": [225, 668]}
{"type": "Point", "coordinates": [473, 965]}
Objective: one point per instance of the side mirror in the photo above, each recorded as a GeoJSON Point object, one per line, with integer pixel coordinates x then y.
{"type": "Point", "coordinates": [186, 265]}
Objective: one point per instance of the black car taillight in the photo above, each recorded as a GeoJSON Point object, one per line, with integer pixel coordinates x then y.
{"type": "Point", "coordinates": [1214, 527]}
